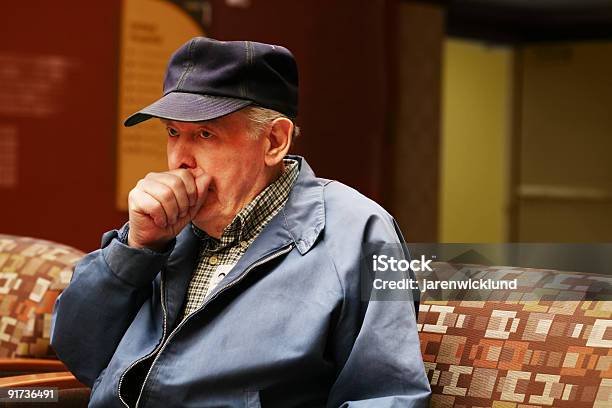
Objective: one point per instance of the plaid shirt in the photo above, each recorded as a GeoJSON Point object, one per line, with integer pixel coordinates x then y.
{"type": "Point", "coordinates": [218, 256]}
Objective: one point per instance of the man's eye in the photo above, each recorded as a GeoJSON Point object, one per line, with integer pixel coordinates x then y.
{"type": "Point", "coordinates": [172, 132]}
{"type": "Point", "coordinates": [204, 134]}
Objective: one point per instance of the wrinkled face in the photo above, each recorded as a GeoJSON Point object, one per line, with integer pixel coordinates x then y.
{"type": "Point", "coordinates": [225, 150]}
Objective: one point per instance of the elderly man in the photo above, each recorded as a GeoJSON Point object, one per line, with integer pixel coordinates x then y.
{"type": "Point", "coordinates": [236, 281]}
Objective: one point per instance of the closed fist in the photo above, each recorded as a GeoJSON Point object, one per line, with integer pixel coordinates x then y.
{"type": "Point", "coordinates": [162, 204]}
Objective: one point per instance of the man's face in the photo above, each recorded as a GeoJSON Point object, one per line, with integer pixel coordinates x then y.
{"type": "Point", "coordinates": [225, 150]}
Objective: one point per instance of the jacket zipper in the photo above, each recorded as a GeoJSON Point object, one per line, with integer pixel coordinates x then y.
{"type": "Point", "coordinates": [163, 304]}
{"type": "Point", "coordinates": [268, 258]}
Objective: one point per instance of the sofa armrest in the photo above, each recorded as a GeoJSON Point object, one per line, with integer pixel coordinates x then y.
{"type": "Point", "coordinates": [61, 380]}
{"type": "Point", "coordinates": [18, 366]}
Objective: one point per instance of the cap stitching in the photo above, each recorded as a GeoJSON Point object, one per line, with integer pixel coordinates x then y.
{"type": "Point", "coordinates": [189, 67]}
{"type": "Point", "coordinates": [245, 84]}
{"type": "Point", "coordinates": [250, 63]}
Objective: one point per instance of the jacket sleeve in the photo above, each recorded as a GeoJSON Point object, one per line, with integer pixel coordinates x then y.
{"type": "Point", "coordinates": [106, 290]}
{"type": "Point", "coordinates": [376, 342]}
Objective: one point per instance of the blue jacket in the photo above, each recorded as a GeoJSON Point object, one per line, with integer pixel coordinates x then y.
{"type": "Point", "coordinates": [285, 328]}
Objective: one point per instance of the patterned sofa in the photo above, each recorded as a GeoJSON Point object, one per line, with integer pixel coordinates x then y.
{"type": "Point", "coordinates": [518, 349]}
{"type": "Point", "coordinates": [33, 273]}
{"type": "Point", "coordinates": [537, 346]}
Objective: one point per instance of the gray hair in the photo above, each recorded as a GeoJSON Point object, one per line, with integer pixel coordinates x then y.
{"type": "Point", "coordinates": [259, 118]}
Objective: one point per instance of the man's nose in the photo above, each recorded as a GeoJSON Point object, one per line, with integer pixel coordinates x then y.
{"type": "Point", "coordinates": [180, 155]}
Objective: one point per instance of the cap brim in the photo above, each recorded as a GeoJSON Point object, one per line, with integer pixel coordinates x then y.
{"type": "Point", "coordinates": [187, 107]}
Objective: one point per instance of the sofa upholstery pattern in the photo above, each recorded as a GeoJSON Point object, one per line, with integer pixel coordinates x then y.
{"type": "Point", "coordinates": [540, 345]}
{"type": "Point", "coordinates": [33, 273]}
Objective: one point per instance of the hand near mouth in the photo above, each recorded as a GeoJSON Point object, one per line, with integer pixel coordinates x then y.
{"type": "Point", "coordinates": [162, 204]}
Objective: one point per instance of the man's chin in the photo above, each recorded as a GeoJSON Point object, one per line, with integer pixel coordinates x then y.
{"type": "Point", "coordinates": [206, 216]}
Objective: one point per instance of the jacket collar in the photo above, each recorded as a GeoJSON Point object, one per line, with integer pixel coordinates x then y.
{"type": "Point", "coordinates": [304, 212]}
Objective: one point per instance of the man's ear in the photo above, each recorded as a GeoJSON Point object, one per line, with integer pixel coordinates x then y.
{"type": "Point", "coordinates": [279, 141]}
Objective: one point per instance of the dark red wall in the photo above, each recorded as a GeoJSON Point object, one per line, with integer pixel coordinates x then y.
{"type": "Point", "coordinates": [66, 173]}
{"type": "Point", "coordinates": [65, 189]}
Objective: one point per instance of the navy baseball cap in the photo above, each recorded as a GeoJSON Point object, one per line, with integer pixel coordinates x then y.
{"type": "Point", "coordinates": [206, 79]}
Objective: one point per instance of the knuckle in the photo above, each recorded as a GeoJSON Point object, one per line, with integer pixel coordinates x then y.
{"type": "Point", "coordinates": [157, 209]}
{"type": "Point", "coordinates": [166, 194]}
{"type": "Point", "coordinates": [176, 182]}
{"type": "Point", "coordinates": [185, 175]}
{"type": "Point", "coordinates": [133, 195]}
{"type": "Point", "coordinates": [140, 184]}
{"type": "Point", "coordinates": [157, 212]}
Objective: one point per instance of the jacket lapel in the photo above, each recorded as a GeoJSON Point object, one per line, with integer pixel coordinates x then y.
{"type": "Point", "coordinates": [181, 264]}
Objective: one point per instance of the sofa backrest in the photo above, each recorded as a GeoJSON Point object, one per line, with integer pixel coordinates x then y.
{"type": "Point", "coordinates": [33, 272]}
{"type": "Point", "coordinates": [525, 348]}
